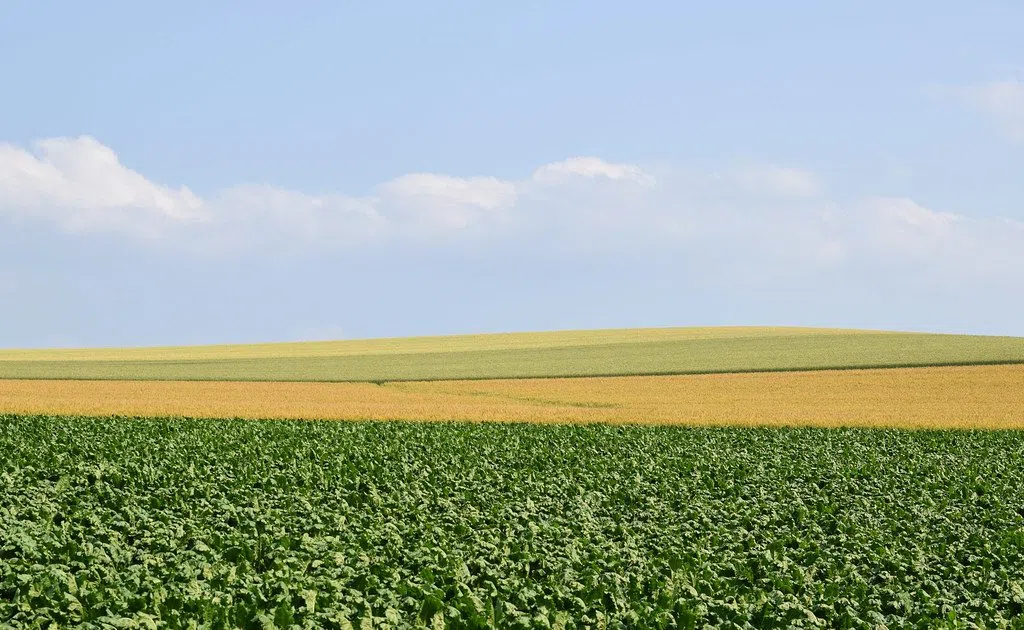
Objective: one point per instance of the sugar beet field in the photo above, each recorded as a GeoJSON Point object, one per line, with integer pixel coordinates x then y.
{"type": "Point", "coordinates": [162, 523]}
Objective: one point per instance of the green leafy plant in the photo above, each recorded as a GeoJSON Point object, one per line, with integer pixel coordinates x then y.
{"type": "Point", "coordinates": [134, 523]}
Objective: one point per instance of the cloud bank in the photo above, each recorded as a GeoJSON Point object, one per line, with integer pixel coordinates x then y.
{"type": "Point", "coordinates": [751, 219]}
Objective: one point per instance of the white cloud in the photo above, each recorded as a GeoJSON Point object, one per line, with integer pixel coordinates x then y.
{"type": "Point", "coordinates": [900, 227]}
{"type": "Point", "coordinates": [443, 202]}
{"type": "Point", "coordinates": [912, 218]}
{"type": "Point", "coordinates": [899, 232]}
{"type": "Point", "coordinates": [591, 168]}
{"type": "Point", "coordinates": [486, 193]}
{"type": "Point", "coordinates": [753, 220]}
{"type": "Point", "coordinates": [1003, 101]}
{"type": "Point", "coordinates": [81, 184]}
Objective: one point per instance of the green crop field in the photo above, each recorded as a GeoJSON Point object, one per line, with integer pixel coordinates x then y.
{"type": "Point", "coordinates": [144, 523]}
{"type": "Point", "coordinates": [572, 353]}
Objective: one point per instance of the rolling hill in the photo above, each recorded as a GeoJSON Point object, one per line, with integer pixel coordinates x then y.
{"type": "Point", "coordinates": [652, 351]}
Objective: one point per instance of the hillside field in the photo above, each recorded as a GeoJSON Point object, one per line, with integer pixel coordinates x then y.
{"type": "Point", "coordinates": [523, 355]}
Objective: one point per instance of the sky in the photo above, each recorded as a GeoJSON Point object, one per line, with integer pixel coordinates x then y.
{"type": "Point", "coordinates": [218, 172]}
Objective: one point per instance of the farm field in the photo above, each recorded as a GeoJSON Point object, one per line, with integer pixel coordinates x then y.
{"type": "Point", "coordinates": [523, 355]}
{"type": "Point", "coordinates": [932, 397]}
{"type": "Point", "coordinates": [548, 487]}
{"type": "Point", "coordinates": [131, 523]}
{"type": "Point", "coordinates": [414, 345]}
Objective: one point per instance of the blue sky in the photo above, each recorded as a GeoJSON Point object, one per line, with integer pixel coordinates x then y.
{"type": "Point", "coordinates": [228, 172]}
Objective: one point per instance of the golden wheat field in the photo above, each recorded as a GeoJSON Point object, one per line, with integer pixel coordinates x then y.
{"type": "Point", "coordinates": [990, 397]}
